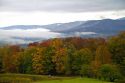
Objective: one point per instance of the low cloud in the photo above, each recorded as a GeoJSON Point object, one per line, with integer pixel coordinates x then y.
{"type": "Point", "coordinates": [26, 36]}
{"type": "Point", "coordinates": [84, 33]}
{"type": "Point", "coordinates": [21, 36]}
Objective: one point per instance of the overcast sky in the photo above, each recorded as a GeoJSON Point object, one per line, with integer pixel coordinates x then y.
{"type": "Point", "coordinates": [62, 5]}
{"type": "Point", "coordinates": [28, 12]}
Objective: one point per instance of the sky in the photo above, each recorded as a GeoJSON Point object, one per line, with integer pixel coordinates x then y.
{"type": "Point", "coordinates": [43, 12]}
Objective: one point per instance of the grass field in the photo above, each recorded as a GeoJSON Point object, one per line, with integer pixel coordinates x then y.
{"type": "Point", "coordinates": [75, 80]}
{"type": "Point", "coordinates": [24, 78]}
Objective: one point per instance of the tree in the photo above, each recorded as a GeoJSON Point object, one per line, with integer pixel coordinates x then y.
{"type": "Point", "coordinates": [81, 57]}
{"type": "Point", "coordinates": [1, 59]}
{"type": "Point", "coordinates": [8, 66]}
{"type": "Point", "coordinates": [103, 56]}
{"type": "Point", "coordinates": [59, 60]}
{"type": "Point", "coordinates": [37, 62]}
{"type": "Point", "coordinates": [69, 58]}
{"type": "Point", "coordinates": [57, 43]}
{"type": "Point", "coordinates": [49, 66]}
{"type": "Point", "coordinates": [117, 48]}
{"type": "Point", "coordinates": [25, 60]}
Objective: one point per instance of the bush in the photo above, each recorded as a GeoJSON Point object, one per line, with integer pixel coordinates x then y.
{"type": "Point", "coordinates": [86, 71]}
{"type": "Point", "coordinates": [121, 81]}
{"type": "Point", "coordinates": [109, 72]}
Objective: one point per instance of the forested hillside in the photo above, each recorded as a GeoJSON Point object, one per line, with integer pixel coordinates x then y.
{"type": "Point", "coordinates": [74, 56]}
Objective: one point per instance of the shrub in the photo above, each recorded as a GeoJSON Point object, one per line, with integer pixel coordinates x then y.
{"type": "Point", "coordinates": [121, 81]}
{"type": "Point", "coordinates": [86, 71]}
{"type": "Point", "coordinates": [109, 72]}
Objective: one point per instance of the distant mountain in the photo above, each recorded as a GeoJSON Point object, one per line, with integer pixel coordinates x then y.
{"type": "Point", "coordinates": [62, 27]}
{"type": "Point", "coordinates": [25, 27]}
{"type": "Point", "coordinates": [90, 28]}
{"type": "Point", "coordinates": [106, 27]}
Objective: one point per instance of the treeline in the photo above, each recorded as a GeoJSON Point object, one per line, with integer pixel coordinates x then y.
{"type": "Point", "coordinates": [87, 57]}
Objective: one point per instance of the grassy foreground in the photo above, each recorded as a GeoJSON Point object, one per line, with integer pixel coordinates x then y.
{"type": "Point", "coordinates": [24, 78]}
{"type": "Point", "coordinates": [75, 80]}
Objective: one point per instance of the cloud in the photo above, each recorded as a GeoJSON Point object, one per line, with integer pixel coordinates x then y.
{"type": "Point", "coordinates": [21, 36]}
{"type": "Point", "coordinates": [43, 18]}
{"type": "Point", "coordinates": [62, 5]}
{"type": "Point", "coordinates": [85, 33]}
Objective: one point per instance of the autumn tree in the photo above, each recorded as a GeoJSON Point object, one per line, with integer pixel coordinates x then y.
{"type": "Point", "coordinates": [59, 60]}
{"type": "Point", "coordinates": [69, 58]}
{"type": "Point", "coordinates": [102, 56]}
{"type": "Point", "coordinates": [37, 61]}
{"type": "Point", "coordinates": [57, 43]}
{"type": "Point", "coordinates": [26, 56]}
{"type": "Point", "coordinates": [117, 48]}
{"type": "Point", "coordinates": [49, 66]}
{"type": "Point", "coordinates": [1, 59]}
{"type": "Point", "coordinates": [9, 58]}
{"type": "Point", "coordinates": [81, 57]}
{"type": "Point", "coordinates": [42, 61]}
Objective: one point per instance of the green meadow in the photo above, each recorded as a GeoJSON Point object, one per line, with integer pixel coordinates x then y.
{"type": "Point", "coordinates": [25, 78]}
{"type": "Point", "coordinates": [74, 80]}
